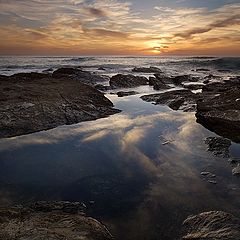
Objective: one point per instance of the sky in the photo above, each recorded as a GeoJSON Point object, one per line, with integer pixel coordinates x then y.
{"type": "Point", "coordinates": [119, 27]}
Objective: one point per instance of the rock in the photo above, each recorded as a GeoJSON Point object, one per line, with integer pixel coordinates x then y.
{"type": "Point", "coordinates": [163, 78]}
{"type": "Point", "coordinates": [202, 70]}
{"type": "Point", "coordinates": [220, 110]}
{"type": "Point", "coordinates": [157, 84]}
{"type": "Point", "coordinates": [29, 104]}
{"type": "Point", "coordinates": [102, 69]}
{"type": "Point", "coordinates": [177, 100]}
{"type": "Point", "coordinates": [50, 221]}
{"type": "Point", "coordinates": [218, 146]}
{"type": "Point", "coordinates": [236, 170]}
{"type": "Point", "coordinates": [123, 94]}
{"type": "Point", "coordinates": [212, 181]}
{"type": "Point", "coordinates": [102, 87]}
{"type": "Point", "coordinates": [127, 81]}
{"type": "Point", "coordinates": [176, 80]}
{"type": "Point", "coordinates": [80, 75]}
{"type": "Point", "coordinates": [147, 70]}
{"type": "Point", "coordinates": [211, 225]}
{"type": "Point", "coordinates": [193, 86]}
{"type": "Point", "coordinates": [205, 173]}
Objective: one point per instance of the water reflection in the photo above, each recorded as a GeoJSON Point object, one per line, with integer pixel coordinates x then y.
{"type": "Point", "coordinates": [139, 169]}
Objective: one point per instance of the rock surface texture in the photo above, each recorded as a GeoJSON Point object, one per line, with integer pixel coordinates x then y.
{"type": "Point", "coordinates": [177, 100]}
{"type": "Point", "coordinates": [127, 81]}
{"type": "Point", "coordinates": [35, 102]}
{"type": "Point", "coordinates": [219, 111]}
{"type": "Point", "coordinates": [214, 225]}
{"type": "Point", "coordinates": [52, 221]}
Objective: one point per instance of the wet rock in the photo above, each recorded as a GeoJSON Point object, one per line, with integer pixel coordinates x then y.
{"type": "Point", "coordinates": [236, 170]}
{"type": "Point", "coordinates": [50, 220]}
{"type": "Point", "coordinates": [80, 75]}
{"type": "Point", "coordinates": [163, 78]}
{"type": "Point", "coordinates": [157, 84]}
{"type": "Point", "coordinates": [202, 70]}
{"type": "Point", "coordinates": [29, 104]}
{"type": "Point", "coordinates": [147, 70]}
{"type": "Point", "coordinates": [123, 94]}
{"type": "Point", "coordinates": [102, 87]}
{"type": "Point", "coordinates": [177, 100]}
{"type": "Point", "coordinates": [211, 225]}
{"type": "Point", "coordinates": [127, 81]}
{"type": "Point", "coordinates": [193, 86]}
{"type": "Point", "coordinates": [220, 110]}
{"type": "Point", "coordinates": [102, 69]}
{"type": "Point", "coordinates": [218, 146]}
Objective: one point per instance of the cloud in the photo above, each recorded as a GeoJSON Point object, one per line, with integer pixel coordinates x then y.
{"type": "Point", "coordinates": [233, 20]}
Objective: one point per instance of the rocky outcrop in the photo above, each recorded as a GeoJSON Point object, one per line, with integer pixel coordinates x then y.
{"type": "Point", "coordinates": [78, 74]}
{"type": "Point", "coordinates": [127, 81]}
{"type": "Point", "coordinates": [50, 220]}
{"type": "Point", "coordinates": [147, 70]}
{"type": "Point", "coordinates": [29, 103]}
{"type": "Point", "coordinates": [211, 226]}
{"type": "Point", "coordinates": [158, 84]}
{"type": "Point", "coordinates": [220, 112]}
{"type": "Point", "coordinates": [124, 94]}
{"type": "Point", "coordinates": [177, 100]}
{"type": "Point", "coordinates": [218, 146]}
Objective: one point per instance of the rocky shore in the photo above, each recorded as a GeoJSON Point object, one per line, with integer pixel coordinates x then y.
{"type": "Point", "coordinates": [50, 220]}
{"type": "Point", "coordinates": [33, 102]}
{"type": "Point", "coordinates": [211, 225]}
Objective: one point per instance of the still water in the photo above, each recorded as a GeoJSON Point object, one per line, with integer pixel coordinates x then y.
{"type": "Point", "coordinates": [139, 171]}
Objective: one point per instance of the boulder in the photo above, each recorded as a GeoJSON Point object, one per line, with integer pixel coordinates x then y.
{"type": "Point", "coordinates": [127, 81]}
{"type": "Point", "coordinates": [147, 70]}
{"type": "Point", "coordinates": [157, 84]}
{"type": "Point", "coordinates": [50, 220]}
{"type": "Point", "coordinates": [80, 75]}
{"type": "Point", "coordinates": [124, 94]}
{"type": "Point", "coordinates": [211, 225]}
{"type": "Point", "coordinates": [177, 100]}
{"type": "Point", "coordinates": [29, 105]}
{"type": "Point", "coordinates": [218, 146]}
{"type": "Point", "coordinates": [220, 111]}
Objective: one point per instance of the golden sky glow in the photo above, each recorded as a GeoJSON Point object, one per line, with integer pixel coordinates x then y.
{"type": "Point", "coordinates": [114, 27]}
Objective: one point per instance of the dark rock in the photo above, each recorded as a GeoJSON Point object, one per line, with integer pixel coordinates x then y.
{"type": "Point", "coordinates": [147, 70]}
{"type": "Point", "coordinates": [80, 75]}
{"type": "Point", "coordinates": [202, 70]}
{"type": "Point", "coordinates": [127, 81]}
{"type": "Point", "coordinates": [176, 80]}
{"type": "Point", "coordinates": [220, 112]}
{"type": "Point", "coordinates": [193, 86]}
{"type": "Point", "coordinates": [102, 87]}
{"type": "Point", "coordinates": [102, 69]}
{"type": "Point", "coordinates": [177, 100]}
{"type": "Point", "coordinates": [163, 78]}
{"type": "Point", "coordinates": [48, 220]}
{"type": "Point", "coordinates": [236, 170]}
{"type": "Point", "coordinates": [29, 105]}
{"type": "Point", "coordinates": [218, 146]}
{"type": "Point", "coordinates": [210, 226]}
{"type": "Point", "coordinates": [157, 84]}
{"type": "Point", "coordinates": [123, 94]}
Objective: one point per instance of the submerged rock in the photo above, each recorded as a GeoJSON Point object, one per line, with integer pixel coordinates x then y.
{"type": "Point", "coordinates": [236, 170]}
{"type": "Point", "coordinates": [211, 225]}
{"type": "Point", "coordinates": [218, 146]}
{"type": "Point", "coordinates": [147, 70]}
{"type": "Point", "coordinates": [123, 94]}
{"type": "Point", "coordinates": [177, 100]}
{"type": "Point", "coordinates": [29, 104]}
{"type": "Point", "coordinates": [50, 220]}
{"type": "Point", "coordinates": [127, 81]}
